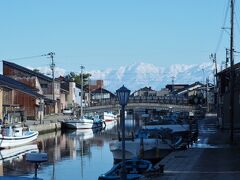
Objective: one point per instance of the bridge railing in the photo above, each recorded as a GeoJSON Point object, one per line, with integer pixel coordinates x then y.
{"type": "Point", "coordinates": [149, 99]}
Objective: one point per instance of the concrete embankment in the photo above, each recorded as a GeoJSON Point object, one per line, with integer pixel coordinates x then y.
{"type": "Point", "coordinates": [44, 128]}
{"type": "Point", "coordinates": [48, 124]}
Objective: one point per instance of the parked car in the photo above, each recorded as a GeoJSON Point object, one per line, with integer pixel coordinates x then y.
{"type": "Point", "coordinates": [67, 111]}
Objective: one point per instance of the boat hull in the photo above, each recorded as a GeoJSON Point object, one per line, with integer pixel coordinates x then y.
{"type": "Point", "coordinates": [12, 141]}
{"type": "Point", "coordinates": [77, 124]}
{"type": "Point", "coordinates": [149, 149]}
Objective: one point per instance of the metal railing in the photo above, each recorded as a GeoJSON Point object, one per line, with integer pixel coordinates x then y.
{"type": "Point", "coordinates": [149, 99]}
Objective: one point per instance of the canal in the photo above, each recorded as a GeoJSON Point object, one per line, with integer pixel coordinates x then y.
{"type": "Point", "coordinates": [79, 154]}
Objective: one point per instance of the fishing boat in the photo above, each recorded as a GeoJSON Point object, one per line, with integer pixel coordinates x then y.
{"type": "Point", "coordinates": [147, 145]}
{"type": "Point", "coordinates": [108, 116]}
{"type": "Point", "coordinates": [134, 168]}
{"type": "Point", "coordinates": [86, 122]}
{"type": "Point", "coordinates": [16, 135]}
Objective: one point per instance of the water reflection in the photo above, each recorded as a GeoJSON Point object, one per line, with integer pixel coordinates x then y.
{"type": "Point", "coordinates": [12, 160]}
{"type": "Point", "coordinates": [80, 154]}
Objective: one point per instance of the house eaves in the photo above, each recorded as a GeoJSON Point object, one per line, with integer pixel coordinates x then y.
{"type": "Point", "coordinates": [28, 71]}
{"type": "Point", "coordinates": [10, 83]}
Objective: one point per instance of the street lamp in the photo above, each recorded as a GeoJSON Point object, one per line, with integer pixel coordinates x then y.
{"type": "Point", "coordinates": [123, 96]}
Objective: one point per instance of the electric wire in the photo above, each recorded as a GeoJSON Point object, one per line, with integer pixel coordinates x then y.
{"type": "Point", "coordinates": [27, 57]}
{"type": "Point", "coordinates": [223, 30]}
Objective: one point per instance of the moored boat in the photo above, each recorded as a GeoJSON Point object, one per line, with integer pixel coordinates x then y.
{"type": "Point", "coordinates": [134, 168]}
{"type": "Point", "coordinates": [108, 116]}
{"type": "Point", "coordinates": [86, 122]}
{"type": "Point", "coordinates": [145, 146]}
{"type": "Point", "coordinates": [12, 136]}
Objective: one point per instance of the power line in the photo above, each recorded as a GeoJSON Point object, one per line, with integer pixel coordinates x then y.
{"type": "Point", "coordinates": [26, 57]}
{"type": "Point", "coordinates": [223, 29]}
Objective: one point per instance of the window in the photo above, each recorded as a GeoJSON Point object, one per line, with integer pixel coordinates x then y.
{"type": "Point", "coordinates": [44, 85]}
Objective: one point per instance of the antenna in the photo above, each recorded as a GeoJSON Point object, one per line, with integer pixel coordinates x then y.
{"type": "Point", "coordinates": [214, 60]}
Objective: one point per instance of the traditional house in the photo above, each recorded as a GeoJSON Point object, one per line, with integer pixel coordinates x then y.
{"type": "Point", "coordinates": [146, 91]}
{"type": "Point", "coordinates": [176, 87]}
{"type": "Point", "coordinates": [191, 90]}
{"type": "Point", "coordinates": [42, 83]}
{"type": "Point", "coordinates": [19, 101]}
{"type": "Point", "coordinates": [163, 92]}
{"type": "Point", "coordinates": [223, 98]}
{"type": "Point", "coordinates": [101, 94]}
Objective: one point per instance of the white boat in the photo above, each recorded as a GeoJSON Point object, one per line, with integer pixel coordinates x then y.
{"type": "Point", "coordinates": [176, 128]}
{"type": "Point", "coordinates": [12, 136]}
{"type": "Point", "coordinates": [86, 122]}
{"type": "Point", "coordinates": [110, 125]}
{"type": "Point", "coordinates": [168, 122]}
{"type": "Point", "coordinates": [108, 116]}
{"type": "Point", "coordinates": [145, 147]}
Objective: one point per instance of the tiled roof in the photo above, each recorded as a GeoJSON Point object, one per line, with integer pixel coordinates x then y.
{"type": "Point", "coordinates": [101, 90]}
{"type": "Point", "coordinates": [33, 73]}
{"type": "Point", "coordinates": [13, 84]}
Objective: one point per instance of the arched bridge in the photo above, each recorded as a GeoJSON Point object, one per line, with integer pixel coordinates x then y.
{"type": "Point", "coordinates": [158, 103]}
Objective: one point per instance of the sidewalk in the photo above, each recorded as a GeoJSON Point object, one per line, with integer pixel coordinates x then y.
{"type": "Point", "coordinates": [216, 160]}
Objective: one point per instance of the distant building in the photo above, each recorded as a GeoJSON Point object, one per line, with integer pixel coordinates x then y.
{"type": "Point", "coordinates": [70, 93]}
{"type": "Point", "coordinates": [176, 87]}
{"type": "Point", "coordinates": [146, 91]}
{"type": "Point", "coordinates": [101, 94]}
{"type": "Point", "coordinates": [95, 84]}
{"type": "Point", "coordinates": [163, 92]}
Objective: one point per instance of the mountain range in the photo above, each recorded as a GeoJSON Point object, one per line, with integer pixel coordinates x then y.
{"type": "Point", "coordinates": [139, 75]}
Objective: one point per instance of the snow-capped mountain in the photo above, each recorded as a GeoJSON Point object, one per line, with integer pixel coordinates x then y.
{"type": "Point", "coordinates": [139, 75]}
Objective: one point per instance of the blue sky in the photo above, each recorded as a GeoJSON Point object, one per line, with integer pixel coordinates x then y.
{"type": "Point", "coordinates": [109, 33]}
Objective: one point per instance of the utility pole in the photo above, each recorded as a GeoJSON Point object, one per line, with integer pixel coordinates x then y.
{"type": "Point", "coordinates": [82, 67]}
{"type": "Point", "coordinates": [232, 75]}
{"type": "Point", "coordinates": [227, 58]}
{"type": "Point", "coordinates": [214, 59]}
{"type": "Point", "coordinates": [173, 77]}
{"type": "Point", "coordinates": [89, 96]}
{"type": "Point", "coordinates": [52, 67]}
{"type": "Point", "coordinates": [207, 99]}
{"type": "Point", "coordinates": [203, 76]}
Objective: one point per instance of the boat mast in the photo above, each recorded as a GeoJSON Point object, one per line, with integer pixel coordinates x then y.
{"type": "Point", "coordinates": [82, 67]}
{"type": "Point", "coordinates": [232, 76]}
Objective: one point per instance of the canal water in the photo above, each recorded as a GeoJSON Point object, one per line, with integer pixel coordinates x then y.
{"type": "Point", "coordinates": [77, 154]}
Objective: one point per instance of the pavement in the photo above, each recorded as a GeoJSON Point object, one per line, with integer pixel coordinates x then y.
{"type": "Point", "coordinates": [212, 157]}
